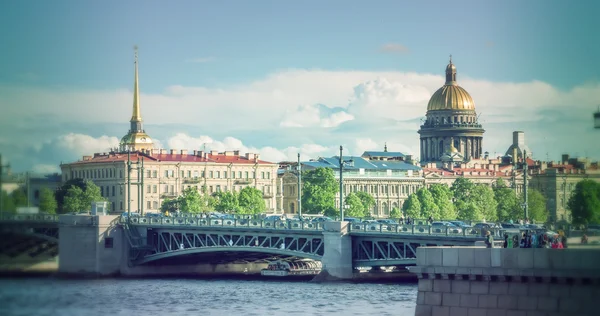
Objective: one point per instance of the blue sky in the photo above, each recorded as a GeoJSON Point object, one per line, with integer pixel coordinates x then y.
{"type": "Point", "coordinates": [253, 54]}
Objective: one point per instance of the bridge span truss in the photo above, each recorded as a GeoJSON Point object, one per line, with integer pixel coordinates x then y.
{"type": "Point", "coordinates": [225, 246]}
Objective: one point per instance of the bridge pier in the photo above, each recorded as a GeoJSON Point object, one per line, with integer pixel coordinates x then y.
{"type": "Point", "coordinates": [498, 281]}
{"type": "Point", "coordinates": [337, 257]}
{"type": "Point", "coordinates": [89, 245]}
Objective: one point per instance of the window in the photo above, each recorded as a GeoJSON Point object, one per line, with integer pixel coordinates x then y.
{"type": "Point", "coordinates": [167, 173]}
{"type": "Point", "coordinates": [166, 188]}
{"type": "Point", "coordinates": [195, 174]}
{"type": "Point", "coordinates": [211, 189]}
{"type": "Point", "coordinates": [246, 174]}
{"type": "Point", "coordinates": [182, 174]}
{"type": "Point", "coordinates": [172, 188]}
{"type": "Point", "coordinates": [190, 173]}
{"type": "Point", "coordinates": [148, 188]}
{"type": "Point", "coordinates": [36, 194]}
{"type": "Point", "coordinates": [263, 175]}
{"type": "Point", "coordinates": [268, 175]}
{"type": "Point", "coordinates": [112, 206]}
{"type": "Point", "coordinates": [108, 242]}
{"type": "Point", "coordinates": [113, 191]}
{"type": "Point", "coordinates": [154, 188]}
{"type": "Point", "coordinates": [155, 204]}
{"type": "Point", "coordinates": [120, 173]}
{"type": "Point", "coordinates": [233, 175]}
{"type": "Point", "coordinates": [101, 190]}
{"type": "Point", "coordinates": [149, 205]}
{"type": "Point", "coordinates": [218, 174]}
{"type": "Point", "coordinates": [218, 188]}
{"type": "Point", "coordinates": [253, 174]}
{"type": "Point", "coordinates": [225, 174]}
{"type": "Point", "coordinates": [121, 192]}
{"type": "Point", "coordinates": [149, 174]}
{"type": "Point", "coordinates": [239, 174]}
{"type": "Point", "coordinates": [210, 174]}
{"type": "Point", "coordinates": [154, 174]}
{"type": "Point", "coordinates": [121, 204]}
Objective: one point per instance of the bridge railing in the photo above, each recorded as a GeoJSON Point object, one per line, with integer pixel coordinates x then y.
{"type": "Point", "coordinates": [219, 222]}
{"type": "Point", "coordinates": [421, 230]}
{"type": "Point", "coordinates": [9, 217]}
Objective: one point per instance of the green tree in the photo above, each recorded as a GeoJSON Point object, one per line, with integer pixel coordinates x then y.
{"type": "Point", "coordinates": [73, 200]}
{"type": "Point", "coordinates": [48, 201]}
{"type": "Point", "coordinates": [19, 197]}
{"type": "Point", "coordinates": [412, 206]}
{"type": "Point", "coordinates": [428, 206]}
{"type": "Point", "coordinates": [169, 205]}
{"type": "Point", "coordinates": [482, 196]}
{"type": "Point", "coordinates": [355, 206]}
{"type": "Point", "coordinates": [61, 192]}
{"type": "Point", "coordinates": [461, 190]}
{"type": "Point", "coordinates": [7, 203]}
{"type": "Point", "coordinates": [536, 203]}
{"type": "Point", "coordinates": [77, 199]}
{"type": "Point", "coordinates": [367, 200]}
{"type": "Point", "coordinates": [395, 213]}
{"type": "Point", "coordinates": [442, 197]}
{"type": "Point", "coordinates": [318, 191]}
{"type": "Point", "coordinates": [190, 201]}
{"type": "Point", "coordinates": [584, 203]}
{"type": "Point", "coordinates": [251, 201]}
{"type": "Point", "coordinates": [509, 205]}
{"type": "Point", "coordinates": [227, 202]}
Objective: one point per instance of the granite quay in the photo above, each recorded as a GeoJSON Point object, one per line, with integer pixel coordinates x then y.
{"type": "Point", "coordinates": [506, 282]}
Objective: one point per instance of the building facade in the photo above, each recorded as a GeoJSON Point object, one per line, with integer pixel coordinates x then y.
{"type": "Point", "coordinates": [159, 174]}
{"type": "Point", "coordinates": [557, 181]}
{"type": "Point", "coordinates": [451, 123]}
{"type": "Point", "coordinates": [166, 174]}
{"type": "Point", "coordinates": [384, 175]}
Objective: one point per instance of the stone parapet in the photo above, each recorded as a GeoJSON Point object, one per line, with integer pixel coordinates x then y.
{"type": "Point", "coordinates": [481, 281]}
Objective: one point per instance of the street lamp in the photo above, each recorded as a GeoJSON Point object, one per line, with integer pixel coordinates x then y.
{"type": "Point", "coordinates": [343, 163]}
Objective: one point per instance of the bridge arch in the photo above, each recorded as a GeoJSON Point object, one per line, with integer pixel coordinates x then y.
{"type": "Point", "coordinates": [240, 249]}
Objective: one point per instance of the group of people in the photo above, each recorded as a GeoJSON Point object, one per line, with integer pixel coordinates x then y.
{"type": "Point", "coordinates": [531, 239]}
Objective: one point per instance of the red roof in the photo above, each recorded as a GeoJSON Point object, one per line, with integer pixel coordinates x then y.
{"type": "Point", "coordinates": [219, 158]}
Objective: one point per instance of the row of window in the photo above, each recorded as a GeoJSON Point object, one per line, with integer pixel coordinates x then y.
{"type": "Point", "coordinates": [96, 174]}
{"type": "Point", "coordinates": [211, 174]}
{"type": "Point", "coordinates": [406, 189]}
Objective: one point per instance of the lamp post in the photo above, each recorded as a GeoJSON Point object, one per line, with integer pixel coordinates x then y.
{"type": "Point", "coordinates": [299, 188]}
{"type": "Point", "coordinates": [342, 164]}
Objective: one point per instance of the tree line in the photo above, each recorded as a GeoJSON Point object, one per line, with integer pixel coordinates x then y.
{"type": "Point", "coordinates": [248, 201]}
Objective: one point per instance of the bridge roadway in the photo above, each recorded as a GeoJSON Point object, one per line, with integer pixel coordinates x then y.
{"type": "Point", "coordinates": [154, 240]}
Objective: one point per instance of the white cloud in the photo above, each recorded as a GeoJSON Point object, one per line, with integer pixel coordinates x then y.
{"type": "Point", "coordinates": [327, 108]}
{"type": "Point", "coordinates": [81, 144]}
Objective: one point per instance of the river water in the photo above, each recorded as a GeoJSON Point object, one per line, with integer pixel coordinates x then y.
{"type": "Point", "coordinates": [51, 296]}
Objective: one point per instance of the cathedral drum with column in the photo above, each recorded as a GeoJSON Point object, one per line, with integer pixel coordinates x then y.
{"type": "Point", "coordinates": [451, 126]}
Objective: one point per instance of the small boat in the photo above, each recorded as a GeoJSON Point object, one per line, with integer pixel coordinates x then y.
{"type": "Point", "coordinates": [301, 267]}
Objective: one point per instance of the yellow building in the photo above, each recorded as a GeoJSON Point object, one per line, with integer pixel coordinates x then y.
{"type": "Point", "coordinates": [166, 173]}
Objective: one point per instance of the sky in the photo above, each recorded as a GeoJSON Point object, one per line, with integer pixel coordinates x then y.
{"type": "Point", "coordinates": [286, 77]}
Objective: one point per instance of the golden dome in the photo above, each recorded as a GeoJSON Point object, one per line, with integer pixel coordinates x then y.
{"type": "Point", "coordinates": [451, 96]}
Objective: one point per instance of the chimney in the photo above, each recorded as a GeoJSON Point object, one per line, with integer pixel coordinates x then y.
{"type": "Point", "coordinates": [161, 151]}
{"type": "Point", "coordinates": [236, 152]}
{"type": "Point", "coordinates": [228, 153]}
{"type": "Point", "coordinates": [256, 157]}
{"type": "Point", "coordinates": [173, 151]}
{"type": "Point", "coordinates": [86, 158]}
{"type": "Point", "coordinates": [214, 152]}
{"type": "Point", "coordinates": [565, 158]}
{"type": "Point", "coordinates": [194, 152]}
{"type": "Point", "coordinates": [184, 152]}
{"type": "Point", "coordinates": [205, 155]}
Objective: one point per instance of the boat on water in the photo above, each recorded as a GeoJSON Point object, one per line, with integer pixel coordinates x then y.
{"type": "Point", "coordinates": [282, 268]}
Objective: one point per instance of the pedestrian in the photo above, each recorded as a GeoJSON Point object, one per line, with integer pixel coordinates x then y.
{"type": "Point", "coordinates": [584, 239]}
{"type": "Point", "coordinates": [505, 240]}
{"type": "Point", "coordinates": [489, 240]}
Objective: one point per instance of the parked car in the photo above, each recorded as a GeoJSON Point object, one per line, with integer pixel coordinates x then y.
{"type": "Point", "coordinates": [461, 224]}
{"type": "Point", "coordinates": [352, 220]}
{"type": "Point", "coordinates": [386, 221]}
{"type": "Point", "coordinates": [440, 227]}
{"type": "Point", "coordinates": [321, 219]}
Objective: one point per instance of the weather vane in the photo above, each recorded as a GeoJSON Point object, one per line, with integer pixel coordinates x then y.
{"type": "Point", "coordinates": [450, 58]}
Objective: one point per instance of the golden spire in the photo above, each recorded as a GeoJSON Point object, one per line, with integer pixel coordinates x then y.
{"type": "Point", "coordinates": [136, 116]}
{"type": "Point", "coordinates": [450, 73]}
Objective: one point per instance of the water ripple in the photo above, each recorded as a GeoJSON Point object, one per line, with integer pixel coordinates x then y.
{"type": "Point", "coordinates": [184, 297]}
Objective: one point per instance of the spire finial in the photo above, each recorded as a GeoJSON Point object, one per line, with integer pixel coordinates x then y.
{"type": "Point", "coordinates": [136, 117]}
{"type": "Point", "coordinates": [450, 58]}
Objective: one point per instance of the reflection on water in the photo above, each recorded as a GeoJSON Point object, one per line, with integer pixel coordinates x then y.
{"type": "Point", "coordinates": [50, 296]}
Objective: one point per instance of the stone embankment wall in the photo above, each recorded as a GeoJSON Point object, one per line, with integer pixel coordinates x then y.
{"type": "Point", "coordinates": [470, 281]}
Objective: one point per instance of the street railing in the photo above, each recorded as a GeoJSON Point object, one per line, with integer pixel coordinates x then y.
{"type": "Point", "coordinates": [44, 218]}
{"type": "Point", "coordinates": [219, 222]}
{"type": "Point", "coordinates": [422, 230]}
